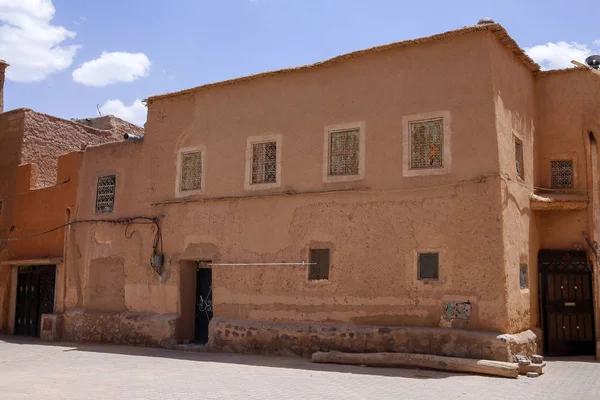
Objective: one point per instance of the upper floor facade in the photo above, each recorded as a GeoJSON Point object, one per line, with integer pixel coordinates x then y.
{"type": "Point", "coordinates": [429, 112]}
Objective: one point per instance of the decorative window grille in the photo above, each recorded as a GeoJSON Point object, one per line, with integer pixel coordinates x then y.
{"type": "Point", "coordinates": [519, 158]}
{"type": "Point", "coordinates": [191, 171]}
{"type": "Point", "coordinates": [427, 144]}
{"type": "Point", "coordinates": [319, 268]}
{"type": "Point", "coordinates": [105, 194]}
{"type": "Point", "coordinates": [429, 266]}
{"type": "Point", "coordinates": [561, 174]}
{"type": "Point", "coordinates": [344, 152]}
{"type": "Point", "coordinates": [264, 162]}
{"type": "Point", "coordinates": [523, 281]}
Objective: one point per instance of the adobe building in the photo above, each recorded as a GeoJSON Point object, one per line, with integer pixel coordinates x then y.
{"type": "Point", "coordinates": [436, 195]}
{"type": "Point", "coordinates": [40, 157]}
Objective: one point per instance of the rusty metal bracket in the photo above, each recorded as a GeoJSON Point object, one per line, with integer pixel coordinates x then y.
{"type": "Point", "coordinates": [594, 246]}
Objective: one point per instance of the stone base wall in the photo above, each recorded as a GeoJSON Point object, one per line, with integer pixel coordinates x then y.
{"type": "Point", "coordinates": [52, 327]}
{"type": "Point", "coordinates": [280, 338]}
{"type": "Point", "coordinates": [138, 329]}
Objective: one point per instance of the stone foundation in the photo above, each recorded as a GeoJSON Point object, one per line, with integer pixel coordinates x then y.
{"type": "Point", "coordinates": [138, 329]}
{"type": "Point", "coordinates": [303, 339]}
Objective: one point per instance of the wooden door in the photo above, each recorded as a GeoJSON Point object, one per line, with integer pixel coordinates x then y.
{"type": "Point", "coordinates": [566, 282]}
{"type": "Point", "coordinates": [35, 296]}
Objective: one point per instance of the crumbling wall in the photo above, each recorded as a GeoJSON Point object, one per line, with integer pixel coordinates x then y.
{"type": "Point", "coordinates": [47, 137]}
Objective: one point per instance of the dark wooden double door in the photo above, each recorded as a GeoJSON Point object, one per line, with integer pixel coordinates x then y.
{"type": "Point", "coordinates": [35, 296]}
{"type": "Point", "coordinates": [567, 303]}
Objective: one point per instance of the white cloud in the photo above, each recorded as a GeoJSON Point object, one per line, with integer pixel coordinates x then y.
{"type": "Point", "coordinates": [80, 20]}
{"type": "Point", "coordinates": [559, 55]}
{"type": "Point", "coordinates": [112, 68]}
{"type": "Point", "coordinates": [597, 42]}
{"type": "Point", "coordinates": [30, 43]}
{"type": "Point", "coordinates": [135, 113]}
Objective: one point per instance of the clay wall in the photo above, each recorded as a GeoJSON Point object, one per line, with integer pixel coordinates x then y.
{"type": "Point", "coordinates": [11, 131]}
{"type": "Point", "coordinates": [515, 117]}
{"type": "Point", "coordinates": [374, 226]}
{"type": "Point", "coordinates": [569, 113]}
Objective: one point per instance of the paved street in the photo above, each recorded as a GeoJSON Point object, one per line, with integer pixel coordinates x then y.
{"type": "Point", "coordinates": [29, 369]}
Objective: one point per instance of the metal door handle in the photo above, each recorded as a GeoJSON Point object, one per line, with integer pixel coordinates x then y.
{"type": "Point", "coordinates": [570, 304]}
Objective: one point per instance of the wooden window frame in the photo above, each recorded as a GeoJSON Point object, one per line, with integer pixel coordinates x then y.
{"type": "Point", "coordinates": [518, 141]}
{"type": "Point", "coordinates": [114, 195]}
{"type": "Point", "coordinates": [567, 156]}
{"type": "Point", "coordinates": [552, 185]}
{"type": "Point", "coordinates": [329, 129]}
{"type": "Point", "coordinates": [446, 168]}
{"type": "Point", "coordinates": [179, 166]}
{"type": "Point", "coordinates": [250, 142]}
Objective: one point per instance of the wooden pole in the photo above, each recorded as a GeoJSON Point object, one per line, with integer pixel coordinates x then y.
{"type": "Point", "coordinates": [485, 367]}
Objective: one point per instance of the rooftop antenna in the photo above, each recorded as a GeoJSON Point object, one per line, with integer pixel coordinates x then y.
{"type": "Point", "coordinates": [99, 110]}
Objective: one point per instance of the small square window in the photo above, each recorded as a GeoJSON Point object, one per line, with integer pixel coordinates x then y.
{"type": "Point", "coordinates": [264, 163]}
{"type": "Point", "coordinates": [561, 174]}
{"type": "Point", "coordinates": [427, 144]}
{"type": "Point", "coordinates": [191, 171]}
{"type": "Point", "coordinates": [428, 266]}
{"type": "Point", "coordinates": [523, 280]}
{"type": "Point", "coordinates": [319, 264]}
{"type": "Point", "coordinates": [519, 158]}
{"type": "Point", "coordinates": [105, 194]}
{"type": "Point", "coordinates": [344, 147]}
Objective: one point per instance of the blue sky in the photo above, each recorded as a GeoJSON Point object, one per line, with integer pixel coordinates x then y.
{"type": "Point", "coordinates": [150, 47]}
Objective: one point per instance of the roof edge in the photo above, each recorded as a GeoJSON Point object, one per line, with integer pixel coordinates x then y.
{"type": "Point", "coordinates": [505, 39]}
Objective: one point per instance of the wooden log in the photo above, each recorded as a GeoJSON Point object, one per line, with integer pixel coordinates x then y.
{"type": "Point", "coordinates": [484, 367]}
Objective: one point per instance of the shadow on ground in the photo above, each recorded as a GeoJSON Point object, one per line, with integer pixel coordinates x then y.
{"type": "Point", "coordinates": [240, 359]}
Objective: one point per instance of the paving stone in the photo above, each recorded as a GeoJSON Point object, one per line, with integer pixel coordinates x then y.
{"type": "Point", "coordinates": [31, 369]}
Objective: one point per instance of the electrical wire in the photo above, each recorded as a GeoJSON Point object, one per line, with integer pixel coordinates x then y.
{"type": "Point", "coordinates": [139, 220]}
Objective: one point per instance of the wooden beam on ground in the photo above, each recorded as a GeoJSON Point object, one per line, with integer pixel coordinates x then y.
{"type": "Point", "coordinates": [484, 367]}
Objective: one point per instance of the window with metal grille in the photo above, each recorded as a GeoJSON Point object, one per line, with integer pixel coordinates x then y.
{"type": "Point", "coordinates": [191, 171]}
{"type": "Point", "coordinates": [264, 162]}
{"type": "Point", "coordinates": [319, 264]}
{"type": "Point", "coordinates": [105, 194]}
{"type": "Point", "coordinates": [344, 152]}
{"type": "Point", "coordinates": [429, 266]}
{"type": "Point", "coordinates": [519, 158]}
{"type": "Point", "coordinates": [523, 281]}
{"type": "Point", "coordinates": [427, 144]}
{"type": "Point", "coordinates": [561, 174]}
